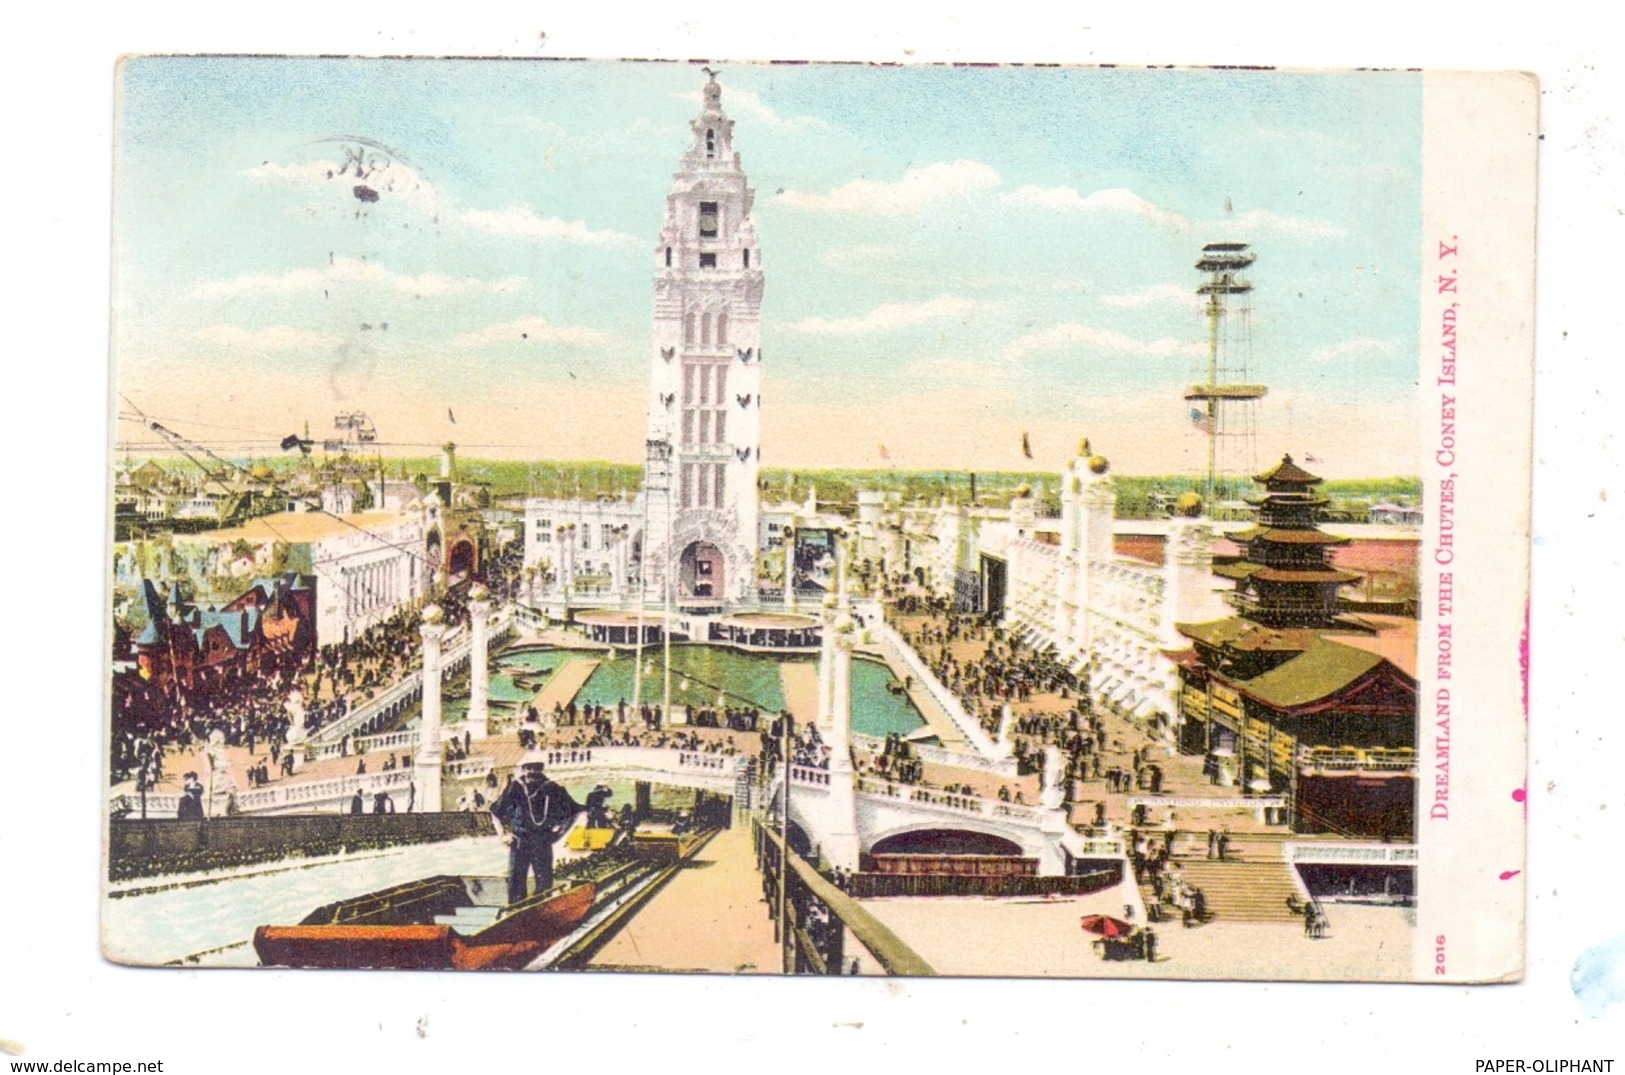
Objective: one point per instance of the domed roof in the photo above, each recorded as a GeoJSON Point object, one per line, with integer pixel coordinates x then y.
{"type": "Point", "coordinates": [1098, 464]}
{"type": "Point", "coordinates": [1189, 505]}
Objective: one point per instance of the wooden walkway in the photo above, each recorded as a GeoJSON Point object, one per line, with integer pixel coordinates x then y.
{"type": "Point", "coordinates": [571, 676]}
{"type": "Point", "coordinates": [708, 918]}
{"type": "Point", "coordinates": [799, 681]}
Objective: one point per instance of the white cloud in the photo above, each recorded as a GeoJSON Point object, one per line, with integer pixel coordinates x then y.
{"type": "Point", "coordinates": [1254, 220]}
{"type": "Point", "coordinates": [532, 330]}
{"type": "Point", "coordinates": [391, 180]}
{"type": "Point", "coordinates": [917, 188]}
{"type": "Point", "coordinates": [386, 179]}
{"type": "Point", "coordinates": [344, 271]}
{"type": "Point", "coordinates": [894, 315]}
{"type": "Point", "coordinates": [748, 105]}
{"type": "Point", "coordinates": [1086, 337]}
{"type": "Point", "coordinates": [1154, 295]}
{"type": "Point", "coordinates": [1113, 200]}
{"type": "Point", "coordinates": [270, 340]}
{"type": "Point", "coordinates": [1361, 347]}
{"type": "Point", "coordinates": [859, 256]}
{"type": "Point", "coordinates": [525, 222]}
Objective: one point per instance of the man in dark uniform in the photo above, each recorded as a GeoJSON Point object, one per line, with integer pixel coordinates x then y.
{"type": "Point", "coordinates": [531, 814]}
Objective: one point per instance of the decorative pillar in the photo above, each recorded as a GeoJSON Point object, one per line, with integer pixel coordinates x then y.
{"type": "Point", "coordinates": [826, 666]}
{"type": "Point", "coordinates": [479, 661]}
{"type": "Point", "coordinates": [789, 539]}
{"type": "Point", "coordinates": [1099, 504]}
{"type": "Point", "coordinates": [840, 844]}
{"type": "Point", "coordinates": [1052, 814]}
{"type": "Point", "coordinates": [426, 766]}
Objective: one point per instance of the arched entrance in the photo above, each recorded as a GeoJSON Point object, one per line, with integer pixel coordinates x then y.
{"type": "Point", "coordinates": [946, 842]}
{"type": "Point", "coordinates": [699, 571]}
{"type": "Point", "coordinates": [462, 558]}
{"type": "Point", "coordinates": [976, 859]}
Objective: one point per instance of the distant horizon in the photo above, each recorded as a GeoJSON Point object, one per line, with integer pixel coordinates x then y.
{"type": "Point", "coordinates": [431, 467]}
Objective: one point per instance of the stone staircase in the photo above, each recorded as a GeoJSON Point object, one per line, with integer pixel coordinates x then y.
{"type": "Point", "coordinates": [1242, 890]}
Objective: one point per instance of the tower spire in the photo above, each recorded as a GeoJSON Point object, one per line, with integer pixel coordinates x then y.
{"type": "Point", "coordinates": [705, 372]}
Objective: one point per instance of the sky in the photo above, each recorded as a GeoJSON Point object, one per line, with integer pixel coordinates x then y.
{"type": "Point", "coordinates": [954, 256]}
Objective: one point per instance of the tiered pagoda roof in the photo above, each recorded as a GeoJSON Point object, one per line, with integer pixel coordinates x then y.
{"type": "Point", "coordinates": [1284, 578]}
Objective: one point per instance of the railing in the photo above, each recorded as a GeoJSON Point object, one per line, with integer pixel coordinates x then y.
{"type": "Point", "coordinates": [715, 769]}
{"type": "Point", "coordinates": [327, 740]}
{"type": "Point", "coordinates": [882, 885]}
{"type": "Point", "coordinates": [1352, 854]}
{"type": "Point", "coordinates": [971, 729]}
{"type": "Point", "coordinates": [936, 799]}
{"type": "Point", "coordinates": [138, 849]}
{"type": "Point", "coordinates": [1255, 802]}
{"type": "Point", "coordinates": [817, 917]}
{"type": "Point", "coordinates": [385, 741]}
{"type": "Point", "coordinates": [806, 774]}
{"type": "Point", "coordinates": [469, 768]}
{"type": "Point", "coordinates": [1343, 760]}
{"type": "Point", "coordinates": [283, 797]}
{"type": "Point", "coordinates": [458, 646]}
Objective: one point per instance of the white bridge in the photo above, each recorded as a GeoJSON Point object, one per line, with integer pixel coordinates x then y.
{"type": "Point", "coordinates": [847, 814]}
{"type": "Point", "coordinates": [882, 809]}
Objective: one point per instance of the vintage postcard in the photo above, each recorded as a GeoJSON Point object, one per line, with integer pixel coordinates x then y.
{"type": "Point", "coordinates": [819, 519]}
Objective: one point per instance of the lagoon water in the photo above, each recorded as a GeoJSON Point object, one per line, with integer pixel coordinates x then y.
{"type": "Point", "coordinates": [701, 675]}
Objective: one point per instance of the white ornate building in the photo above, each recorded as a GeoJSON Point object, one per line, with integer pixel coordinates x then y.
{"type": "Point", "coordinates": [1059, 582]}
{"type": "Point", "coordinates": [704, 431]}
{"type": "Point", "coordinates": [705, 373]}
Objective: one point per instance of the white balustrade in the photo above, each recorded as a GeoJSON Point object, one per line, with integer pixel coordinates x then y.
{"type": "Point", "coordinates": [937, 799]}
{"type": "Point", "coordinates": [1333, 853]}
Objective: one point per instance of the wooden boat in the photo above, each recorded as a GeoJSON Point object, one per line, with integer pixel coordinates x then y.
{"type": "Point", "coordinates": [437, 923]}
{"type": "Point", "coordinates": [667, 848]}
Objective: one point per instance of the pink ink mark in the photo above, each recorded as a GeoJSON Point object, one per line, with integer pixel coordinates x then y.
{"type": "Point", "coordinates": [1507, 875]}
{"type": "Point", "coordinates": [1523, 659]}
{"type": "Point", "coordinates": [1521, 795]}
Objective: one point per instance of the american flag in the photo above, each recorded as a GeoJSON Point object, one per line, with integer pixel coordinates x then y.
{"type": "Point", "coordinates": [1200, 419]}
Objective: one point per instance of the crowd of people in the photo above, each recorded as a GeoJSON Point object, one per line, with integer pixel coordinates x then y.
{"type": "Point", "coordinates": [258, 711]}
{"type": "Point", "coordinates": [897, 760]}
{"type": "Point", "coordinates": [1005, 671]}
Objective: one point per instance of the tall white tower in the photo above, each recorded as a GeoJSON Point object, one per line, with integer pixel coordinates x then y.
{"type": "Point", "coordinates": [705, 380]}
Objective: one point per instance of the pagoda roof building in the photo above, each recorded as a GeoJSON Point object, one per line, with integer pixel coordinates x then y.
{"type": "Point", "coordinates": [1284, 577]}
{"type": "Point", "coordinates": [1294, 695]}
